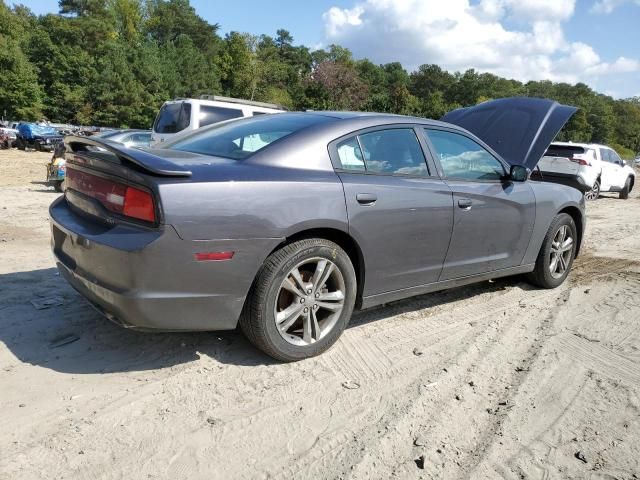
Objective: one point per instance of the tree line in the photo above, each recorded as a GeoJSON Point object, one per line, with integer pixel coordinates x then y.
{"type": "Point", "coordinates": [114, 62]}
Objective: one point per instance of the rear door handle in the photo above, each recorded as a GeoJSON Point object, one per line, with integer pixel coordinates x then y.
{"type": "Point", "coordinates": [465, 203]}
{"type": "Point", "coordinates": [366, 198]}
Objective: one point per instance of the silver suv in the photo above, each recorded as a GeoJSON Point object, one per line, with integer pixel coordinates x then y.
{"type": "Point", "coordinates": [187, 114]}
{"type": "Point", "coordinates": [597, 167]}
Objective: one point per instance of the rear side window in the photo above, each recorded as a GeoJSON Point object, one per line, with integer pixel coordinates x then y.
{"type": "Point", "coordinates": [394, 151]}
{"type": "Point", "coordinates": [210, 115]}
{"type": "Point", "coordinates": [173, 118]}
{"type": "Point", "coordinates": [388, 152]}
{"type": "Point", "coordinates": [462, 158]}
{"type": "Point", "coordinates": [350, 155]}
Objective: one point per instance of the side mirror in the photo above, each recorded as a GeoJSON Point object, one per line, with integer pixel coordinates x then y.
{"type": "Point", "coordinates": [519, 173]}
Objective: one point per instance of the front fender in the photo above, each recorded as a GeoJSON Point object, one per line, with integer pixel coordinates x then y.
{"type": "Point", "coordinates": [551, 199]}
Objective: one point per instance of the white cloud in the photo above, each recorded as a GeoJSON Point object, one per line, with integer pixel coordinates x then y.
{"type": "Point", "coordinates": [457, 35]}
{"type": "Point", "coordinates": [608, 6]}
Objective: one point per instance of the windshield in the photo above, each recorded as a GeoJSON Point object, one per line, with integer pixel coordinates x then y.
{"type": "Point", "coordinates": [107, 134]}
{"type": "Point", "coordinates": [43, 130]}
{"type": "Point", "coordinates": [173, 117]}
{"type": "Point", "coordinates": [241, 138]}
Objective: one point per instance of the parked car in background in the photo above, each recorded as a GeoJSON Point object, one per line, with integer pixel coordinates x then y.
{"type": "Point", "coordinates": [636, 162]}
{"type": "Point", "coordinates": [129, 138]}
{"type": "Point", "coordinates": [38, 137]}
{"type": "Point", "coordinates": [284, 223]}
{"type": "Point", "coordinates": [7, 137]}
{"type": "Point", "coordinates": [186, 114]}
{"type": "Point", "coordinates": [598, 166]}
{"type": "Point", "coordinates": [567, 162]}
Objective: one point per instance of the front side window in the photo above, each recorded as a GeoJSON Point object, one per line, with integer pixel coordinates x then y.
{"type": "Point", "coordinates": [616, 158]}
{"type": "Point", "coordinates": [463, 159]}
{"type": "Point", "coordinates": [605, 154]}
{"type": "Point", "coordinates": [394, 151]}
{"type": "Point", "coordinates": [210, 115]}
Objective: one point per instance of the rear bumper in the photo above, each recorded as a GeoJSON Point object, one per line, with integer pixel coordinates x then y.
{"type": "Point", "coordinates": [148, 279]}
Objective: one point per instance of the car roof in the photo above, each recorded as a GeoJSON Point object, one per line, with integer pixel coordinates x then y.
{"type": "Point", "coordinates": [375, 118]}
{"type": "Point", "coordinates": [583, 145]}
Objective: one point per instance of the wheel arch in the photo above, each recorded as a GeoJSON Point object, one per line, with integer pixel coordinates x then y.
{"type": "Point", "coordinates": [344, 240]}
{"type": "Point", "coordinates": [576, 215]}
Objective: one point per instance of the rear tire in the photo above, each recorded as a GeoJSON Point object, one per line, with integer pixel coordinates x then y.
{"type": "Point", "coordinates": [58, 186]}
{"type": "Point", "coordinates": [624, 193]}
{"type": "Point", "coordinates": [320, 309]}
{"type": "Point", "coordinates": [556, 254]}
{"type": "Point", "coordinates": [594, 193]}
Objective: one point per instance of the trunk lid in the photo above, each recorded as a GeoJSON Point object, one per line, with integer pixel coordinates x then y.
{"type": "Point", "coordinates": [88, 151]}
{"type": "Point", "coordinates": [520, 129]}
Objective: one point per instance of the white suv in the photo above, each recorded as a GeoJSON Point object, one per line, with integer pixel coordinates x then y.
{"type": "Point", "coordinates": [597, 167]}
{"type": "Point", "coordinates": [187, 114]}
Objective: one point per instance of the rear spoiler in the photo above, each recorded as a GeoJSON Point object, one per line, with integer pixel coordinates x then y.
{"type": "Point", "coordinates": [147, 161]}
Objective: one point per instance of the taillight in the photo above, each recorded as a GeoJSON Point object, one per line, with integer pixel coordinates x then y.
{"type": "Point", "coordinates": [114, 196]}
{"type": "Point", "coordinates": [139, 204]}
{"type": "Point", "coordinates": [580, 161]}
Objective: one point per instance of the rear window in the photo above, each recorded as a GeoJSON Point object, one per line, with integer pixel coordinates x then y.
{"type": "Point", "coordinates": [567, 151]}
{"type": "Point", "coordinates": [210, 115]}
{"type": "Point", "coordinates": [173, 118]}
{"type": "Point", "coordinates": [240, 139]}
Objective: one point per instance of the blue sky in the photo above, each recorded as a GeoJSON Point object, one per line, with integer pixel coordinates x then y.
{"type": "Point", "coordinates": [593, 41]}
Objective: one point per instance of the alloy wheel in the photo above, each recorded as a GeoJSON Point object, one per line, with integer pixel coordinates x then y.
{"type": "Point", "coordinates": [594, 193]}
{"type": "Point", "coordinates": [561, 252]}
{"type": "Point", "coordinates": [309, 301]}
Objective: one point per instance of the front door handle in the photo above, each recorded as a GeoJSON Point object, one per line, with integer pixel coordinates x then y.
{"type": "Point", "coordinates": [465, 203]}
{"type": "Point", "coordinates": [366, 198]}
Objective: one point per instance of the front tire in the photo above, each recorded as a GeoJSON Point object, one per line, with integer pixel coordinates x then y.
{"type": "Point", "coordinates": [556, 254]}
{"type": "Point", "coordinates": [624, 193]}
{"type": "Point", "coordinates": [301, 300]}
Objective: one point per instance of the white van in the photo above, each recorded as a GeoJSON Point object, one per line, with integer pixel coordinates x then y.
{"type": "Point", "coordinates": [187, 114]}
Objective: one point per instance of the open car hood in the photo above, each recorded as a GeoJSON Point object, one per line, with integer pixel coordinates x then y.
{"type": "Point", "coordinates": [520, 129]}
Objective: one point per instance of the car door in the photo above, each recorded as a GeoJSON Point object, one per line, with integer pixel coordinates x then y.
{"type": "Point", "coordinates": [610, 170]}
{"type": "Point", "coordinates": [493, 216]}
{"type": "Point", "coordinates": [621, 172]}
{"type": "Point", "coordinates": [400, 212]}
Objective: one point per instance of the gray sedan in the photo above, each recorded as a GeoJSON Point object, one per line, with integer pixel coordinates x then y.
{"type": "Point", "coordinates": [129, 138]}
{"type": "Point", "coordinates": [285, 223]}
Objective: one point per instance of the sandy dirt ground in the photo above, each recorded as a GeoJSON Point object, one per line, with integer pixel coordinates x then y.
{"type": "Point", "coordinates": [496, 380]}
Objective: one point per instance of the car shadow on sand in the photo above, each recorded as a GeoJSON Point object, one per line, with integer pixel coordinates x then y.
{"type": "Point", "coordinates": [44, 322]}
{"type": "Point", "coordinates": [47, 188]}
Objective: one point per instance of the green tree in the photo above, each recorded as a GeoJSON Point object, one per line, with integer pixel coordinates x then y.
{"type": "Point", "coordinates": [20, 92]}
